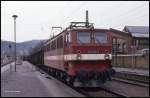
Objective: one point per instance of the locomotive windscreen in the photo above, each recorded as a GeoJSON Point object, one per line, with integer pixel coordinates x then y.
{"type": "Point", "coordinates": [83, 37]}
{"type": "Point", "coordinates": [100, 37]}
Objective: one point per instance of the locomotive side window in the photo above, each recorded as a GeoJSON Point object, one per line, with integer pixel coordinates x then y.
{"type": "Point", "coordinates": [67, 39]}
{"type": "Point", "coordinates": [49, 46]}
{"type": "Point", "coordinates": [60, 42]}
{"type": "Point", "coordinates": [53, 45]}
{"type": "Point", "coordinates": [83, 37]}
{"type": "Point", "coordinates": [100, 37]}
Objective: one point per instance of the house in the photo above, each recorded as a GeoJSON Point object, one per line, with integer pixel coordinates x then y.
{"type": "Point", "coordinates": [140, 36]}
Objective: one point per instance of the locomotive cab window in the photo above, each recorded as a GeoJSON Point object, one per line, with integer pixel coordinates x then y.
{"type": "Point", "coordinates": [83, 37]}
{"type": "Point", "coordinates": [100, 37]}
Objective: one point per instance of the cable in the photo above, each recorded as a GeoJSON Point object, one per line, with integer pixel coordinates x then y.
{"type": "Point", "coordinates": [75, 11]}
{"type": "Point", "coordinates": [130, 11]}
{"type": "Point", "coordinates": [129, 20]}
{"type": "Point", "coordinates": [127, 15]}
{"type": "Point", "coordinates": [109, 10]}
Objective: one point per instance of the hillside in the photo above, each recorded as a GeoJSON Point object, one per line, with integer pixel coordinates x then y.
{"type": "Point", "coordinates": [22, 48]}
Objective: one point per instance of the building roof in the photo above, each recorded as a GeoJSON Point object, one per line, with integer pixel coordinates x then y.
{"type": "Point", "coordinates": [140, 35]}
{"type": "Point", "coordinates": [137, 31]}
{"type": "Point", "coordinates": [120, 32]}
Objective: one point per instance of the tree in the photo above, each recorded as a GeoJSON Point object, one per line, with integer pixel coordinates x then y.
{"type": "Point", "coordinates": [36, 48]}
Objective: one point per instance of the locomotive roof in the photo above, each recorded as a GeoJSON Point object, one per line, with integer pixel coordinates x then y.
{"type": "Point", "coordinates": [67, 30]}
{"type": "Point", "coordinates": [77, 26]}
{"type": "Point", "coordinates": [76, 29]}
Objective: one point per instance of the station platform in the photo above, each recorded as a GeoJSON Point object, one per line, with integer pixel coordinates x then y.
{"type": "Point", "coordinates": [28, 82]}
{"type": "Point", "coordinates": [143, 72]}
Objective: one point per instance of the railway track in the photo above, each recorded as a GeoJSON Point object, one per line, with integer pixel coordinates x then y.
{"type": "Point", "coordinates": [143, 79]}
{"type": "Point", "coordinates": [95, 92]}
{"type": "Point", "coordinates": [101, 91]}
{"type": "Point", "coordinates": [133, 82]}
{"type": "Point", "coordinates": [106, 91]}
{"type": "Point", "coordinates": [6, 63]}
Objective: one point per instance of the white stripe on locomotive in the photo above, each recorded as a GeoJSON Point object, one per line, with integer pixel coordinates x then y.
{"type": "Point", "coordinates": [73, 57]}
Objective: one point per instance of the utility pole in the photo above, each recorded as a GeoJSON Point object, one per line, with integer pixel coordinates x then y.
{"type": "Point", "coordinates": [15, 16]}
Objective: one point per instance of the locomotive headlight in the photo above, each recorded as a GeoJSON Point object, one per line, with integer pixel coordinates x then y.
{"type": "Point", "coordinates": [70, 65]}
{"type": "Point", "coordinates": [78, 57]}
{"type": "Point", "coordinates": [107, 56]}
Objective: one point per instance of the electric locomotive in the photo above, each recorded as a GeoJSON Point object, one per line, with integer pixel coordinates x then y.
{"type": "Point", "coordinates": [80, 55]}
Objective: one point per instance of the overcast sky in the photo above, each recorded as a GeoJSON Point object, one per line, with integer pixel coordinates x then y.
{"type": "Point", "coordinates": [37, 17]}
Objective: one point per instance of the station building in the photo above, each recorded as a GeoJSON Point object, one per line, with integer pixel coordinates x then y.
{"type": "Point", "coordinates": [140, 36]}
{"type": "Point", "coordinates": [125, 45]}
{"type": "Point", "coordinates": [130, 39]}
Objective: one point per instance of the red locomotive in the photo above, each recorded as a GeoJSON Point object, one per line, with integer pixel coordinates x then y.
{"type": "Point", "coordinates": [80, 55]}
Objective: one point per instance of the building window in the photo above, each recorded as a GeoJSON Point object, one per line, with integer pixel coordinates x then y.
{"type": "Point", "coordinates": [137, 43]}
